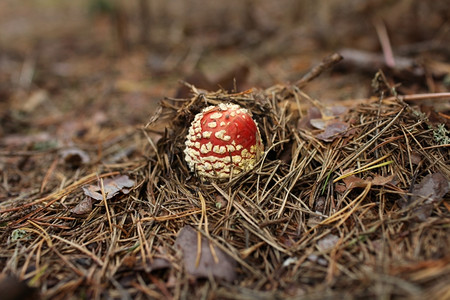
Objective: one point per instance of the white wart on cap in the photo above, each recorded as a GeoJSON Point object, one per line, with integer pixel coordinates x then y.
{"type": "Point", "coordinates": [223, 140]}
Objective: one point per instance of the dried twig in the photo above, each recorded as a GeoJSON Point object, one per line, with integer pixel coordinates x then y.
{"type": "Point", "coordinates": [327, 63]}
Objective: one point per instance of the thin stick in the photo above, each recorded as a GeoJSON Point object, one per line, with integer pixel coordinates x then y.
{"type": "Point", "coordinates": [326, 63]}
{"type": "Point", "coordinates": [171, 217]}
{"type": "Point", "coordinates": [385, 42]}
{"type": "Point", "coordinates": [106, 204]}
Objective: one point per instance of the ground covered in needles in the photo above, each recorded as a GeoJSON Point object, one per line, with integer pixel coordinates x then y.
{"type": "Point", "coordinates": [349, 200]}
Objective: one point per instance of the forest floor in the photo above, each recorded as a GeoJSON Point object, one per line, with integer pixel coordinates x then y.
{"type": "Point", "coordinates": [349, 200]}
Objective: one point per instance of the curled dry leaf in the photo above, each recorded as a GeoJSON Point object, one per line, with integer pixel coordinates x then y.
{"type": "Point", "coordinates": [318, 119]}
{"type": "Point", "coordinates": [112, 186]}
{"type": "Point", "coordinates": [223, 268]}
{"type": "Point", "coordinates": [75, 157]}
{"type": "Point", "coordinates": [327, 120]}
{"type": "Point", "coordinates": [318, 123]}
{"type": "Point", "coordinates": [333, 129]}
{"type": "Point", "coordinates": [83, 207]}
{"type": "Point", "coordinates": [356, 182]}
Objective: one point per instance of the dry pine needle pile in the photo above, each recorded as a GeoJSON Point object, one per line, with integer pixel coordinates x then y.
{"type": "Point", "coordinates": [346, 201]}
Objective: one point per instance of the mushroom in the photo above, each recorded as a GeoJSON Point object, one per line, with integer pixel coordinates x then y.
{"type": "Point", "coordinates": [223, 140]}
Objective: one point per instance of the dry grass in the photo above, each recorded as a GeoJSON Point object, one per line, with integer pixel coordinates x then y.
{"type": "Point", "coordinates": [274, 220]}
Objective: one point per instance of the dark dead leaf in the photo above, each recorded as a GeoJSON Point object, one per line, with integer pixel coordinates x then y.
{"type": "Point", "coordinates": [333, 130]}
{"type": "Point", "coordinates": [224, 268]}
{"type": "Point", "coordinates": [75, 157]}
{"type": "Point", "coordinates": [430, 190]}
{"type": "Point", "coordinates": [112, 186]}
{"type": "Point", "coordinates": [83, 207]}
{"type": "Point", "coordinates": [286, 154]}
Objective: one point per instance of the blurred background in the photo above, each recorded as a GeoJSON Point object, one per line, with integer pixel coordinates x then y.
{"type": "Point", "coordinates": [112, 61]}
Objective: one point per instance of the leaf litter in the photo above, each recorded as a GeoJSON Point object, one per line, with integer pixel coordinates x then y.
{"type": "Point", "coordinates": [206, 262]}
{"type": "Point", "coordinates": [262, 219]}
{"type": "Point", "coordinates": [430, 190]}
{"type": "Point", "coordinates": [283, 229]}
{"type": "Point", "coordinates": [111, 187]}
{"type": "Point", "coordinates": [83, 207]}
{"type": "Point", "coordinates": [356, 182]}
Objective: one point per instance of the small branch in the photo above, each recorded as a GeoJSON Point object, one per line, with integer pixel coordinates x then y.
{"type": "Point", "coordinates": [326, 63]}
{"type": "Point", "coordinates": [385, 42]}
{"type": "Point", "coordinates": [417, 97]}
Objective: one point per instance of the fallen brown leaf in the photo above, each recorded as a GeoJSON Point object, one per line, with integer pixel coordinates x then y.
{"type": "Point", "coordinates": [430, 190]}
{"type": "Point", "coordinates": [356, 182]}
{"type": "Point", "coordinates": [433, 188]}
{"type": "Point", "coordinates": [112, 186]}
{"type": "Point", "coordinates": [187, 241]}
{"type": "Point", "coordinates": [333, 130]}
{"type": "Point", "coordinates": [83, 207]}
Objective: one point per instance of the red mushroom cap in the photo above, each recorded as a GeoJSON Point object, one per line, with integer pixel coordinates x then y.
{"type": "Point", "coordinates": [223, 139]}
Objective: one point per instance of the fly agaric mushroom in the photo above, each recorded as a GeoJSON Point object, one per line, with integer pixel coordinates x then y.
{"type": "Point", "coordinates": [223, 140]}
